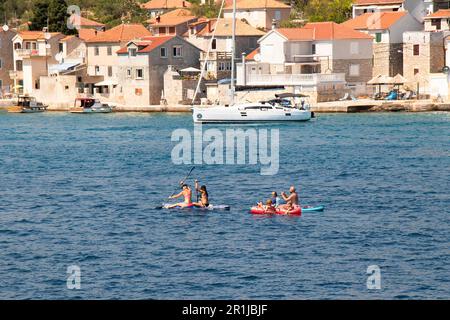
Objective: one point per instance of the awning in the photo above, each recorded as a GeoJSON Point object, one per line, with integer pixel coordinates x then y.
{"type": "Point", "coordinates": [191, 70]}
{"type": "Point", "coordinates": [107, 83]}
{"type": "Point", "coordinates": [57, 68]}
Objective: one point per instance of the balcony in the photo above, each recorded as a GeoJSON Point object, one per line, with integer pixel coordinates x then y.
{"type": "Point", "coordinates": [26, 53]}
{"type": "Point", "coordinates": [16, 75]}
{"type": "Point", "coordinates": [291, 79]}
{"type": "Point", "coordinates": [216, 56]}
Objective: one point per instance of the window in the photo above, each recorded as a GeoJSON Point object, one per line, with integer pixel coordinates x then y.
{"type": "Point", "coordinates": [416, 49]}
{"type": "Point", "coordinates": [97, 70]}
{"type": "Point", "coordinates": [313, 49]}
{"type": "Point", "coordinates": [214, 44]}
{"type": "Point", "coordinates": [61, 47]}
{"type": "Point", "coordinates": [110, 71]}
{"type": "Point", "coordinates": [162, 30]}
{"type": "Point", "coordinates": [354, 70]}
{"type": "Point", "coordinates": [132, 52]}
{"type": "Point", "coordinates": [210, 66]}
{"type": "Point", "coordinates": [278, 15]}
{"type": "Point", "coordinates": [171, 30]}
{"type": "Point", "coordinates": [436, 23]}
{"type": "Point", "coordinates": [177, 51]}
{"type": "Point", "coordinates": [416, 71]}
{"type": "Point", "coordinates": [354, 48]}
{"type": "Point", "coordinates": [163, 52]}
{"type": "Point", "coordinates": [96, 51]}
{"type": "Point", "coordinates": [1, 64]}
{"type": "Point", "coordinates": [378, 37]}
{"type": "Point", "coordinates": [109, 51]}
{"type": "Point", "coordinates": [139, 74]}
{"type": "Point", "coordinates": [128, 72]}
{"type": "Point", "coordinates": [1, 84]}
{"type": "Point", "coordinates": [221, 66]}
{"type": "Point", "coordinates": [19, 65]}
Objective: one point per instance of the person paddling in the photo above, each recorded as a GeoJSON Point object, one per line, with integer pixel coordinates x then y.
{"type": "Point", "coordinates": [187, 193]}
{"type": "Point", "coordinates": [204, 197]}
{"type": "Point", "coordinates": [293, 197]}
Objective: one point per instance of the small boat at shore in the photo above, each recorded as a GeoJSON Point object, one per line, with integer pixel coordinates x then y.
{"type": "Point", "coordinates": [27, 104]}
{"type": "Point", "coordinates": [88, 105]}
{"type": "Point", "coordinates": [285, 107]}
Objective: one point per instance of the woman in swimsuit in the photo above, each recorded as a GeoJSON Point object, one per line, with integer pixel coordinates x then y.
{"type": "Point", "coordinates": [187, 193]}
{"type": "Point", "coordinates": [204, 201]}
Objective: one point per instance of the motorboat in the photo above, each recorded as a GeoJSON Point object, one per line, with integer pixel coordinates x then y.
{"type": "Point", "coordinates": [89, 105]}
{"type": "Point", "coordinates": [27, 104]}
{"type": "Point", "coordinates": [285, 107]}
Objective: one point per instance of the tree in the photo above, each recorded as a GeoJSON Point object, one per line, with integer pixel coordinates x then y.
{"type": "Point", "coordinates": [40, 15]}
{"type": "Point", "coordinates": [327, 10]}
{"type": "Point", "coordinates": [57, 16]}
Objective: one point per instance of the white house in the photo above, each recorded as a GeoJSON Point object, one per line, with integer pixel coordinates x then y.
{"type": "Point", "coordinates": [386, 28]}
{"type": "Point", "coordinates": [316, 57]}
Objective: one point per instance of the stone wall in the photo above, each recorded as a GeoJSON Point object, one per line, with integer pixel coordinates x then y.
{"type": "Point", "coordinates": [387, 59]}
{"type": "Point", "coordinates": [365, 69]}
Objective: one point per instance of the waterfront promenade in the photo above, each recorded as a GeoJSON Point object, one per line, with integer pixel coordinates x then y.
{"type": "Point", "coordinates": [363, 105]}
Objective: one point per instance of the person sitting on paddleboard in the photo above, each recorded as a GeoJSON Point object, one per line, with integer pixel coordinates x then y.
{"type": "Point", "coordinates": [293, 197]}
{"type": "Point", "coordinates": [187, 193]}
{"type": "Point", "coordinates": [268, 208]}
{"type": "Point", "coordinates": [275, 199]}
{"type": "Point", "coordinates": [204, 200]}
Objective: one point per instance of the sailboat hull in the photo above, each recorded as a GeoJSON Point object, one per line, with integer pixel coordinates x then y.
{"type": "Point", "coordinates": [249, 113]}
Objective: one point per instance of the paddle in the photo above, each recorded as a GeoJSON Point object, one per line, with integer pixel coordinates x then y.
{"type": "Point", "coordinates": [181, 183]}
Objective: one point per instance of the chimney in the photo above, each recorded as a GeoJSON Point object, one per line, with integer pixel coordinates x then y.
{"type": "Point", "coordinates": [158, 18]}
{"type": "Point", "coordinates": [184, 4]}
{"type": "Point", "coordinates": [274, 24]}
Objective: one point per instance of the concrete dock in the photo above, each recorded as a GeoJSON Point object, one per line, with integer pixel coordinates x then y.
{"type": "Point", "coordinates": [366, 105]}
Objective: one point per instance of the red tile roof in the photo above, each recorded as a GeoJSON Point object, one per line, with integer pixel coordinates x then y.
{"type": "Point", "coordinates": [322, 31]}
{"type": "Point", "coordinates": [251, 55]}
{"type": "Point", "coordinates": [375, 21]}
{"type": "Point", "coordinates": [84, 22]}
{"type": "Point", "coordinates": [121, 33]}
{"type": "Point", "coordinates": [86, 34]}
{"type": "Point", "coordinates": [146, 44]}
{"type": "Point", "coordinates": [166, 4]}
{"type": "Point", "coordinates": [225, 29]}
{"type": "Point", "coordinates": [173, 18]}
{"type": "Point", "coordinates": [377, 2]}
{"type": "Point", "coordinates": [36, 35]}
{"type": "Point", "coordinates": [440, 14]}
{"type": "Point", "coordinates": [257, 4]}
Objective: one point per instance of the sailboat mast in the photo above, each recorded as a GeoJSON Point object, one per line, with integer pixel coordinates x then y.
{"type": "Point", "coordinates": [233, 54]}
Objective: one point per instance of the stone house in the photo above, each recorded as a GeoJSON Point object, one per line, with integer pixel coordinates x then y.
{"type": "Point", "coordinates": [175, 22]}
{"type": "Point", "coordinates": [320, 58]}
{"type": "Point", "coordinates": [218, 61]}
{"type": "Point", "coordinates": [143, 62]}
{"type": "Point", "coordinates": [259, 13]}
{"type": "Point", "coordinates": [102, 59]}
{"type": "Point", "coordinates": [6, 60]}
{"type": "Point", "coordinates": [159, 7]}
{"type": "Point", "coordinates": [417, 8]}
{"type": "Point", "coordinates": [438, 21]}
{"type": "Point", "coordinates": [34, 51]}
{"type": "Point", "coordinates": [386, 29]}
{"type": "Point", "coordinates": [423, 55]}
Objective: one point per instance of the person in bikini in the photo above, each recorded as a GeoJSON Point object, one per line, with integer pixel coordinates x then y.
{"type": "Point", "coordinates": [187, 194]}
{"type": "Point", "coordinates": [204, 197]}
{"type": "Point", "coordinates": [268, 208]}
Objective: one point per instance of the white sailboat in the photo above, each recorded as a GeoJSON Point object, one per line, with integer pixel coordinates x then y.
{"type": "Point", "coordinates": [280, 109]}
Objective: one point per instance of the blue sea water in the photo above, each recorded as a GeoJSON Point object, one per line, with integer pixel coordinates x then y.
{"type": "Point", "coordinates": [81, 190]}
